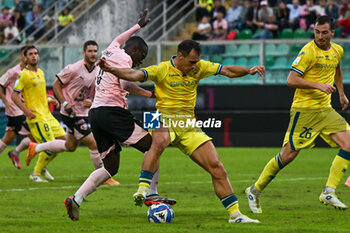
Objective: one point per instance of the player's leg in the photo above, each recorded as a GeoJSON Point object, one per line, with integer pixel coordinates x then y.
{"type": "Point", "coordinates": [14, 154]}
{"type": "Point", "coordinates": [206, 157]}
{"type": "Point", "coordinates": [347, 183]}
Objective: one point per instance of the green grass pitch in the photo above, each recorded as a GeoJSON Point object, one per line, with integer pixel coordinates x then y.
{"type": "Point", "coordinates": [290, 203]}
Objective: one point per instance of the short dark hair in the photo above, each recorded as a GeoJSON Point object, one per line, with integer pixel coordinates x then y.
{"type": "Point", "coordinates": [28, 48]}
{"type": "Point", "coordinates": [136, 41]}
{"type": "Point", "coordinates": [89, 42]}
{"type": "Point", "coordinates": [321, 20]}
{"type": "Point", "coordinates": [186, 46]}
{"type": "Point", "coordinates": [23, 48]}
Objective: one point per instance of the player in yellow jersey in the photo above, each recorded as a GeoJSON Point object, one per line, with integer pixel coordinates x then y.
{"type": "Point", "coordinates": [43, 126]}
{"type": "Point", "coordinates": [313, 73]}
{"type": "Point", "coordinates": [176, 83]}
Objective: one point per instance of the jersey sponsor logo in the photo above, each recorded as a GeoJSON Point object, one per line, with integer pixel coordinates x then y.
{"type": "Point", "coordinates": [174, 75]}
{"type": "Point", "coordinates": [296, 61]}
{"type": "Point", "coordinates": [327, 57]}
{"type": "Point", "coordinates": [319, 57]}
{"type": "Point", "coordinates": [107, 53]}
{"type": "Point", "coordinates": [322, 65]}
{"type": "Point", "coordinates": [183, 83]}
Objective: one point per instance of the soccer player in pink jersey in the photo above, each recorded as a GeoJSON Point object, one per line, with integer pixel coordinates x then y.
{"type": "Point", "coordinates": [75, 88]}
{"type": "Point", "coordinates": [16, 120]}
{"type": "Point", "coordinates": [111, 121]}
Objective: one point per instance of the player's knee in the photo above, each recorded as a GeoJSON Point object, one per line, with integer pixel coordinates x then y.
{"type": "Point", "coordinates": [160, 143]}
{"type": "Point", "coordinates": [346, 147]}
{"type": "Point", "coordinates": [70, 148]}
{"type": "Point", "coordinates": [217, 170]}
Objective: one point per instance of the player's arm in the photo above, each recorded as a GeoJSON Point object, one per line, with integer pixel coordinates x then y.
{"type": "Point", "coordinates": [3, 97]}
{"type": "Point", "coordinates": [57, 89]}
{"type": "Point", "coordinates": [16, 98]}
{"type": "Point", "coordinates": [339, 83]}
{"type": "Point", "coordinates": [122, 73]}
{"type": "Point", "coordinates": [135, 89]}
{"type": "Point", "coordinates": [296, 80]}
{"type": "Point", "coordinates": [239, 71]}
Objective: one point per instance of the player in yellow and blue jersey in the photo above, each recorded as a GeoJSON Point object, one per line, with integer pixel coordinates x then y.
{"type": "Point", "coordinates": [313, 74]}
{"type": "Point", "coordinates": [176, 83]}
{"type": "Point", "coordinates": [42, 124]}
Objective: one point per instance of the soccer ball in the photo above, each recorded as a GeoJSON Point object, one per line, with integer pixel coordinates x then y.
{"type": "Point", "coordinates": [160, 213]}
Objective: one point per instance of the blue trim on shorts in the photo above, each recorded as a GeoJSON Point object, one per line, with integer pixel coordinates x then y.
{"type": "Point", "coordinates": [292, 130]}
{"type": "Point", "coordinates": [344, 154]}
{"type": "Point", "coordinates": [41, 135]}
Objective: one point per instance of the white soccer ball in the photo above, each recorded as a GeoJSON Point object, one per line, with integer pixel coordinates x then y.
{"type": "Point", "coordinates": [160, 213]}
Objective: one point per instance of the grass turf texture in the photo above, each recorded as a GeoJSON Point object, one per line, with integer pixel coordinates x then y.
{"type": "Point", "coordinates": [290, 203]}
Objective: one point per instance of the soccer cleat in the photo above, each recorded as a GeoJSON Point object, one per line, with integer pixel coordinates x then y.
{"type": "Point", "coordinates": [140, 196]}
{"type": "Point", "coordinates": [254, 201]}
{"type": "Point", "coordinates": [347, 183]}
{"type": "Point", "coordinates": [31, 152]}
{"type": "Point", "coordinates": [332, 199]}
{"type": "Point", "coordinates": [47, 174]}
{"type": "Point", "coordinates": [111, 181]}
{"type": "Point", "coordinates": [15, 160]}
{"type": "Point", "coordinates": [241, 218]}
{"type": "Point", "coordinates": [72, 208]}
{"type": "Point", "coordinates": [36, 178]}
{"type": "Point", "coordinates": [156, 198]}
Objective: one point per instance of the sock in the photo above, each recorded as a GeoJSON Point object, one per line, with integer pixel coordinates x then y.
{"type": "Point", "coordinates": [270, 171]}
{"type": "Point", "coordinates": [338, 168]}
{"type": "Point", "coordinates": [21, 146]}
{"type": "Point", "coordinates": [153, 186]}
{"type": "Point", "coordinates": [328, 190]}
{"type": "Point", "coordinates": [254, 190]}
{"type": "Point", "coordinates": [347, 183]}
{"type": "Point", "coordinates": [95, 179]}
{"type": "Point", "coordinates": [96, 159]}
{"type": "Point", "coordinates": [145, 179]}
{"type": "Point", "coordinates": [54, 146]}
{"type": "Point", "coordinates": [44, 159]}
{"type": "Point", "coordinates": [2, 146]}
{"type": "Point", "coordinates": [230, 202]}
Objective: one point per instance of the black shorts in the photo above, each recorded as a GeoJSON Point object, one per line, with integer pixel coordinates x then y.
{"type": "Point", "coordinates": [18, 124]}
{"type": "Point", "coordinates": [77, 126]}
{"type": "Point", "coordinates": [113, 125]}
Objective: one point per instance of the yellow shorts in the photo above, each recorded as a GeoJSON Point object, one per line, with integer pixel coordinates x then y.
{"type": "Point", "coordinates": [48, 130]}
{"type": "Point", "coordinates": [305, 126]}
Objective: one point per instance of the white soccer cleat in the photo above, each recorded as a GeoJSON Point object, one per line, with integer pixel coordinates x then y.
{"type": "Point", "coordinates": [36, 178]}
{"type": "Point", "coordinates": [254, 201]}
{"type": "Point", "coordinates": [241, 218]}
{"type": "Point", "coordinates": [47, 174]}
{"type": "Point", "coordinates": [140, 196]}
{"type": "Point", "coordinates": [332, 199]}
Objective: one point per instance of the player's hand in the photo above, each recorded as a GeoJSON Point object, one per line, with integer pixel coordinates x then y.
{"type": "Point", "coordinates": [87, 103]}
{"type": "Point", "coordinates": [29, 113]}
{"type": "Point", "coordinates": [344, 102]}
{"type": "Point", "coordinates": [53, 101]}
{"type": "Point", "coordinates": [326, 88]}
{"type": "Point", "coordinates": [257, 69]}
{"type": "Point", "coordinates": [153, 95]}
{"type": "Point", "coordinates": [143, 21]}
{"type": "Point", "coordinates": [102, 63]}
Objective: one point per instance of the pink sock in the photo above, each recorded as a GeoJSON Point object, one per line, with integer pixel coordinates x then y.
{"type": "Point", "coordinates": [154, 183]}
{"type": "Point", "coordinates": [95, 179]}
{"type": "Point", "coordinates": [348, 182]}
{"type": "Point", "coordinates": [22, 146]}
{"type": "Point", "coordinates": [96, 159]}
{"type": "Point", "coordinates": [54, 146]}
{"type": "Point", "coordinates": [2, 146]}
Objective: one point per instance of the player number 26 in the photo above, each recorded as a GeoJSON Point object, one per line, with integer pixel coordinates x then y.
{"type": "Point", "coordinates": [306, 133]}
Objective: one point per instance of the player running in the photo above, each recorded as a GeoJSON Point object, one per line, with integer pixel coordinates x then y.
{"type": "Point", "coordinates": [42, 124]}
{"type": "Point", "coordinates": [313, 73]}
{"type": "Point", "coordinates": [176, 83]}
{"type": "Point", "coordinates": [111, 121]}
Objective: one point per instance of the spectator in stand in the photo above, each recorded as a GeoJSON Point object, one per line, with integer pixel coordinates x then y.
{"type": "Point", "coordinates": [204, 29]}
{"type": "Point", "coordinates": [220, 27]}
{"type": "Point", "coordinates": [203, 8]}
{"type": "Point", "coordinates": [218, 7]}
{"type": "Point", "coordinates": [319, 9]}
{"type": "Point", "coordinates": [343, 8]}
{"type": "Point", "coordinates": [270, 29]}
{"type": "Point", "coordinates": [24, 5]}
{"type": "Point", "coordinates": [282, 14]}
{"type": "Point", "coordinates": [18, 20]}
{"type": "Point", "coordinates": [5, 17]}
{"type": "Point", "coordinates": [11, 32]}
{"type": "Point", "coordinates": [34, 19]}
{"type": "Point", "coordinates": [344, 25]}
{"type": "Point", "coordinates": [244, 12]}
{"type": "Point", "coordinates": [233, 14]}
{"type": "Point", "coordinates": [332, 9]}
{"type": "Point", "coordinates": [264, 12]}
{"type": "Point", "coordinates": [307, 17]}
{"type": "Point", "coordinates": [294, 15]}
{"type": "Point", "coordinates": [252, 15]}
{"type": "Point", "coordinates": [65, 18]}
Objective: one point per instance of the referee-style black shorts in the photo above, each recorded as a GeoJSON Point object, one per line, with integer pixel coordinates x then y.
{"type": "Point", "coordinates": [78, 126]}
{"type": "Point", "coordinates": [18, 124]}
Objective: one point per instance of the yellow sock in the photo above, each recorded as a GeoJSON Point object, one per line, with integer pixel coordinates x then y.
{"type": "Point", "coordinates": [52, 156]}
{"type": "Point", "coordinates": [270, 171]}
{"type": "Point", "coordinates": [43, 160]}
{"type": "Point", "coordinates": [338, 168]}
{"type": "Point", "coordinates": [233, 209]}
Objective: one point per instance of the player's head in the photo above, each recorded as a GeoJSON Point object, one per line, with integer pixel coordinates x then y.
{"type": "Point", "coordinates": [188, 55]}
{"type": "Point", "coordinates": [21, 56]}
{"type": "Point", "coordinates": [90, 51]}
{"type": "Point", "coordinates": [32, 55]}
{"type": "Point", "coordinates": [137, 49]}
{"type": "Point", "coordinates": [324, 30]}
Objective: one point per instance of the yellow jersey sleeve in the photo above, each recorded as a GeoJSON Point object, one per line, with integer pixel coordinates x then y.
{"type": "Point", "coordinates": [20, 82]}
{"type": "Point", "coordinates": [155, 73]}
{"type": "Point", "coordinates": [208, 68]}
{"type": "Point", "coordinates": [302, 62]}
